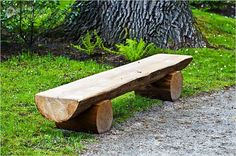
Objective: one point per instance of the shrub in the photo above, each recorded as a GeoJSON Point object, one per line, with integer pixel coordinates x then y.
{"type": "Point", "coordinates": [25, 21]}
{"type": "Point", "coordinates": [211, 4]}
{"type": "Point", "coordinates": [134, 50]}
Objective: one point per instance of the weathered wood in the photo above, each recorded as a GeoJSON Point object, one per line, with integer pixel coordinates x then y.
{"type": "Point", "coordinates": [168, 88]}
{"type": "Point", "coordinates": [97, 119]}
{"type": "Point", "coordinates": [66, 101]}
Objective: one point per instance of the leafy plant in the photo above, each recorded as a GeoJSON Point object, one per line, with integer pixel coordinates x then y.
{"type": "Point", "coordinates": [134, 50]}
{"type": "Point", "coordinates": [25, 21]}
{"type": "Point", "coordinates": [90, 43]}
{"type": "Point", "coordinates": [212, 4]}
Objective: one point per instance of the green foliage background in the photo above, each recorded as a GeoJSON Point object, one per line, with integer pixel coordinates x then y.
{"type": "Point", "coordinates": [25, 21]}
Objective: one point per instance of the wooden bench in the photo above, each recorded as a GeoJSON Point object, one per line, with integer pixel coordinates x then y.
{"type": "Point", "coordinates": [84, 105]}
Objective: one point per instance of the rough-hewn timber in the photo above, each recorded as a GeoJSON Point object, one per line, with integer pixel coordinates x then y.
{"type": "Point", "coordinates": [66, 101]}
{"type": "Point", "coordinates": [165, 23]}
{"type": "Point", "coordinates": [168, 88]}
{"type": "Point", "coordinates": [97, 119]}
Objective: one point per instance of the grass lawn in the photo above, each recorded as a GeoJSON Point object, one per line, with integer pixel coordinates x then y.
{"type": "Point", "coordinates": [25, 132]}
{"type": "Point", "coordinates": [220, 31]}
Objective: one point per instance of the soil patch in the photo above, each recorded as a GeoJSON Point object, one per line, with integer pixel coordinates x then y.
{"type": "Point", "coordinates": [62, 49]}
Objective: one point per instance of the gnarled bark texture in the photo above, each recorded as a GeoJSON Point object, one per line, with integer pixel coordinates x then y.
{"type": "Point", "coordinates": [168, 24]}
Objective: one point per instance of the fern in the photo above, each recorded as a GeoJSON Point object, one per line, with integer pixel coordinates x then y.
{"type": "Point", "coordinates": [88, 46]}
{"type": "Point", "coordinates": [134, 50]}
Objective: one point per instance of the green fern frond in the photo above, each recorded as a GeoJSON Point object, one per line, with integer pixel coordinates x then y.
{"type": "Point", "coordinates": [88, 45]}
{"type": "Point", "coordinates": [133, 50]}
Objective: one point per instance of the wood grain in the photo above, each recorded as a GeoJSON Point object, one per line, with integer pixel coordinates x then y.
{"type": "Point", "coordinates": [97, 119]}
{"type": "Point", "coordinates": [65, 102]}
{"type": "Point", "coordinates": [168, 88]}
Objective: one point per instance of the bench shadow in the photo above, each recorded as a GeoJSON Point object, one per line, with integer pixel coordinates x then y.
{"type": "Point", "coordinates": [125, 106]}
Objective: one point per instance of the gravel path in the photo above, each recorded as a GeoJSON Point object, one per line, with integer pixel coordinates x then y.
{"type": "Point", "coordinates": [201, 125]}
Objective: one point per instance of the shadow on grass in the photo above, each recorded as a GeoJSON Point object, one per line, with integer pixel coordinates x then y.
{"type": "Point", "coordinates": [126, 105]}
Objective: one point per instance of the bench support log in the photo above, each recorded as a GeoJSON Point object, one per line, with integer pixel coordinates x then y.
{"type": "Point", "coordinates": [97, 119]}
{"type": "Point", "coordinates": [168, 88]}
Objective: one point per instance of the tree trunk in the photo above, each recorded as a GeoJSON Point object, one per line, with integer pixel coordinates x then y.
{"type": "Point", "coordinates": [168, 24]}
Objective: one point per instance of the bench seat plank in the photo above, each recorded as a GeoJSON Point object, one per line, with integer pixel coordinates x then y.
{"type": "Point", "coordinates": [66, 101]}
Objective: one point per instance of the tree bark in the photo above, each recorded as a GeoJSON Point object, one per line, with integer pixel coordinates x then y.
{"type": "Point", "coordinates": [168, 24]}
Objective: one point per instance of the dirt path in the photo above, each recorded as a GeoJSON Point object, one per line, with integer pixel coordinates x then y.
{"type": "Point", "coordinates": [201, 125]}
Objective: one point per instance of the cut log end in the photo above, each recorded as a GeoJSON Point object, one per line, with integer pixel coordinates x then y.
{"type": "Point", "coordinates": [56, 109]}
{"type": "Point", "coordinates": [168, 88]}
{"type": "Point", "coordinates": [97, 119]}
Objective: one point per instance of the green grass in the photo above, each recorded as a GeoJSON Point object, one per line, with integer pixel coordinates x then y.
{"type": "Point", "coordinates": [126, 105]}
{"type": "Point", "coordinates": [220, 31]}
{"type": "Point", "coordinates": [23, 128]}
{"type": "Point", "coordinates": [25, 132]}
{"type": "Point", "coordinates": [210, 70]}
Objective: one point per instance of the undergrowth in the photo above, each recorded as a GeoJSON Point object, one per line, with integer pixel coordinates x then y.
{"type": "Point", "coordinates": [90, 42]}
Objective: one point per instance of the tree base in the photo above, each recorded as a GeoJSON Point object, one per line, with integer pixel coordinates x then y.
{"type": "Point", "coordinates": [167, 24]}
{"type": "Point", "coordinates": [168, 88]}
{"type": "Point", "coordinates": [97, 119]}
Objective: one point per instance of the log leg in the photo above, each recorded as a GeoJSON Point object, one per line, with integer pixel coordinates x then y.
{"type": "Point", "coordinates": [97, 119]}
{"type": "Point", "coordinates": [168, 88]}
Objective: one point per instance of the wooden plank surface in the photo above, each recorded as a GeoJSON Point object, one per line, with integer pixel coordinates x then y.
{"type": "Point", "coordinates": [66, 101]}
